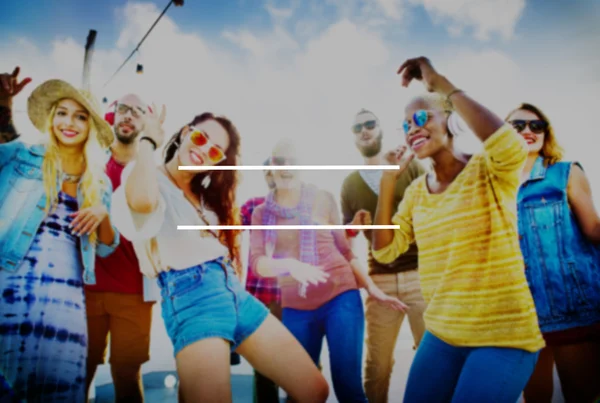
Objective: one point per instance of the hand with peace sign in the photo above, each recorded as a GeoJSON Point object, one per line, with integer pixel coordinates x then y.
{"type": "Point", "coordinates": [10, 85]}
{"type": "Point", "coordinates": [153, 122]}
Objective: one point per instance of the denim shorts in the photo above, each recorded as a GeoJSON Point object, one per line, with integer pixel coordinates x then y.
{"type": "Point", "coordinates": [208, 301]}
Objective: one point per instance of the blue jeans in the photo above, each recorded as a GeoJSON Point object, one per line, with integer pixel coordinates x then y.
{"type": "Point", "coordinates": [207, 301]}
{"type": "Point", "coordinates": [342, 322]}
{"type": "Point", "coordinates": [444, 373]}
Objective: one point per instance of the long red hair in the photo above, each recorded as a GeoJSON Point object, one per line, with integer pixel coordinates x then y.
{"type": "Point", "coordinates": [220, 196]}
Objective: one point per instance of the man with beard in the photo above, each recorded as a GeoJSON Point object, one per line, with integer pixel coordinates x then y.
{"type": "Point", "coordinates": [399, 279]}
{"type": "Point", "coordinates": [116, 304]}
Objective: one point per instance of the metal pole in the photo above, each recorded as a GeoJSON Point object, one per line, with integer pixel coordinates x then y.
{"type": "Point", "coordinates": [87, 60]}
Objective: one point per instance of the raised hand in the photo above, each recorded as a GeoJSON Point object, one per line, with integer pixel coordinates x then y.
{"type": "Point", "coordinates": [400, 157]}
{"type": "Point", "coordinates": [10, 85]}
{"type": "Point", "coordinates": [153, 124]}
{"type": "Point", "coordinates": [421, 69]}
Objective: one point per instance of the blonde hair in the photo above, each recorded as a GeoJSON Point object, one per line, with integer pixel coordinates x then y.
{"type": "Point", "coordinates": [551, 151]}
{"type": "Point", "coordinates": [93, 181]}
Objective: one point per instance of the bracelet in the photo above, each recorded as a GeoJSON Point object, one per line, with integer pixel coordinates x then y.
{"type": "Point", "coordinates": [150, 140]}
{"type": "Point", "coordinates": [352, 232]}
{"type": "Point", "coordinates": [454, 91]}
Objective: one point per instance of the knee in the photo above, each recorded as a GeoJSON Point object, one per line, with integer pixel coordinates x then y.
{"type": "Point", "coordinates": [320, 391]}
{"type": "Point", "coordinates": [126, 372]}
{"type": "Point", "coordinates": [377, 369]}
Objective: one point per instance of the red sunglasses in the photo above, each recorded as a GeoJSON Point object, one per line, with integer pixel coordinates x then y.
{"type": "Point", "coordinates": [200, 139]}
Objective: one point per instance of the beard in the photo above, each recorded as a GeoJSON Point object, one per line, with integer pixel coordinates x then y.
{"type": "Point", "coordinates": [126, 139]}
{"type": "Point", "coordinates": [372, 149]}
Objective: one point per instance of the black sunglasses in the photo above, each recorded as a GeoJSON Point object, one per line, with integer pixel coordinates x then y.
{"type": "Point", "coordinates": [369, 125]}
{"type": "Point", "coordinates": [536, 126]}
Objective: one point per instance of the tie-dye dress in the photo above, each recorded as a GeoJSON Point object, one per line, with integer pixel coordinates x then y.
{"type": "Point", "coordinates": [43, 332]}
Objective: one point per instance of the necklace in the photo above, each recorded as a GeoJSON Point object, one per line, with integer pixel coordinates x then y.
{"type": "Point", "coordinates": [71, 178]}
{"type": "Point", "coordinates": [198, 208]}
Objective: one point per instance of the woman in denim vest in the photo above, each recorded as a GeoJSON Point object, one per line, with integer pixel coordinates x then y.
{"type": "Point", "coordinates": [559, 229]}
{"type": "Point", "coordinates": [54, 219]}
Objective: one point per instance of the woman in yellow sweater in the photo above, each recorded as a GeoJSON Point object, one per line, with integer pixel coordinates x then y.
{"type": "Point", "coordinates": [482, 339]}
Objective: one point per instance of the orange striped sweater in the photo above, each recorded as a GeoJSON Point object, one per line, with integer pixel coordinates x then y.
{"type": "Point", "coordinates": [470, 263]}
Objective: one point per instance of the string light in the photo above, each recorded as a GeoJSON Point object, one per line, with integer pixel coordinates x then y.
{"type": "Point", "coordinates": [177, 3]}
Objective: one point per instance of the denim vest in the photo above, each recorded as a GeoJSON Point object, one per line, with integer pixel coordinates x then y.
{"type": "Point", "coordinates": [22, 205]}
{"type": "Point", "coordinates": [561, 265]}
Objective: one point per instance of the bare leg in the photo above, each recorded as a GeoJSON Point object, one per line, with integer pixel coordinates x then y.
{"type": "Point", "coordinates": [91, 372]}
{"type": "Point", "coordinates": [128, 383]}
{"type": "Point", "coordinates": [274, 352]}
{"type": "Point", "coordinates": [578, 367]}
{"type": "Point", "coordinates": [204, 371]}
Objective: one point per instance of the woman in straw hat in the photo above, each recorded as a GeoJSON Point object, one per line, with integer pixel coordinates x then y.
{"type": "Point", "coordinates": [54, 220]}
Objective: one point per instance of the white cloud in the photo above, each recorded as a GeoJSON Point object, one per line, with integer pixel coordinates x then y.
{"type": "Point", "coordinates": [484, 16]}
{"type": "Point", "coordinates": [281, 87]}
{"type": "Point", "coordinates": [247, 41]}
{"type": "Point", "coordinates": [391, 8]}
{"type": "Point", "coordinates": [279, 13]}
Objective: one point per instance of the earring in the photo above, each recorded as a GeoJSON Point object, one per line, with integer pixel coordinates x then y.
{"type": "Point", "coordinates": [206, 181]}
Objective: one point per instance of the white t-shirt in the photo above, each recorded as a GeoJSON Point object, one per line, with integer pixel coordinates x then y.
{"type": "Point", "coordinates": [158, 244]}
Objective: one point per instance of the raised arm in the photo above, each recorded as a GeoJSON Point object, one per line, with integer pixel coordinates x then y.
{"type": "Point", "coordinates": [480, 119]}
{"type": "Point", "coordinates": [506, 151]}
{"type": "Point", "coordinates": [141, 186]}
{"type": "Point", "coordinates": [9, 88]}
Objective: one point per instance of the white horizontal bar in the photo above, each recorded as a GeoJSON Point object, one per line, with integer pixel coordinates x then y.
{"type": "Point", "coordinates": [287, 167]}
{"type": "Point", "coordinates": [282, 227]}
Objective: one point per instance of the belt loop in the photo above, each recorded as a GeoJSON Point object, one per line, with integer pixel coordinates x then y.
{"type": "Point", "coordinates": [222, 262]}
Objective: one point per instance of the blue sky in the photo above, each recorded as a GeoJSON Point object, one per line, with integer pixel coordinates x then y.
{"type": "Point", "coordinates": [44, 20]}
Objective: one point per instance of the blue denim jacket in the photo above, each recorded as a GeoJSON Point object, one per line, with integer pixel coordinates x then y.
{"type": "Point", "coordinates": [22, 204]}
{"type": "Point", "coordinates": [562, 266]}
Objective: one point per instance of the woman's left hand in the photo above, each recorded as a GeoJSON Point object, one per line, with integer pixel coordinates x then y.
{"type": "Point", "coordinates": [379, 296]}
{"type": "Point", "coordinates": [86, 221]}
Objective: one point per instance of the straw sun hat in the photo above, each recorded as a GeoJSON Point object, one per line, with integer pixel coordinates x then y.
{"type": "Point", "coordinates": [42, 99]}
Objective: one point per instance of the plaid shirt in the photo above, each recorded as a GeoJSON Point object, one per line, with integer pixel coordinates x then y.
{"type": "Point", "coordinates": [265, 289]}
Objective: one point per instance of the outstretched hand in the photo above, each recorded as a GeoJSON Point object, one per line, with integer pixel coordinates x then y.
{"type": "Point", "coordinates": [10, 85]}
{"type": "Point", "coordinates": [306, 273]}
{"type": "Point", "coordinates": [384, 299]}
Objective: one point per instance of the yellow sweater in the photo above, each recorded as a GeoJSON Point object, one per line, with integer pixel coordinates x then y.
{"type": "Point", "coordinates": [470, 263]}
